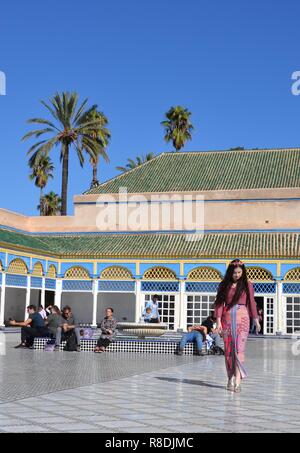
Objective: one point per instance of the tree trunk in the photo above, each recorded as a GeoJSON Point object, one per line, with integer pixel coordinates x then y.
{"type": "Point", "coordinates": [41, 205]}
{"type": "Point", "coordinates": [95, 181]}
{"type": "Point", "coordinates": [95, 172]}
{"type": "Point", "coordinates": [65, 179]}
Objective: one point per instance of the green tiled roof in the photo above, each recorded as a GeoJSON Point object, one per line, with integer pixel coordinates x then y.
{"type": "Point", "coordinates": [22, 240]}
{"type": "Point", "coordinates": [204, 171]}
{"type": "Point", "coordinates": [212, 245]}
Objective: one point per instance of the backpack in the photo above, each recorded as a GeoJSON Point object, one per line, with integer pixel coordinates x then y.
{"type": "Point", "coordinates": [71, 345]}
{"type": "Point", "coordinates": [49, 346]}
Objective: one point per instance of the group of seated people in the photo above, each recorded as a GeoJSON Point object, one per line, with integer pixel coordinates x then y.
{"type": "Point", "coordinates": [61, 325]}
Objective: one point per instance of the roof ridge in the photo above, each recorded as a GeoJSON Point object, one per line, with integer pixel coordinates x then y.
{"type": "Point", "coordinates": [250, 150]}
{"type": "Point", "coordinates": [115, 178]}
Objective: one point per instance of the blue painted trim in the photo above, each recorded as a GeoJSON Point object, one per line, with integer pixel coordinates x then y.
{"type": "Point", "coordinates": [110, 233]}
{"type": "Point", "coordinates": [116, 286]}
{"type": "Point", "coordinates": [50, 284]}
{"type": "Point", "coordinates": [229, 200]}
{"type": "Point", "coordinates": [16, 281]}
{"type": "Point", "coordinates": [160, 287]}
{"type": "Point", "coordinates": [3, 259]}
{"type": "Point", "coordinates": [36, 282]}
{"type": "Point", "coordinates": [291, 288]}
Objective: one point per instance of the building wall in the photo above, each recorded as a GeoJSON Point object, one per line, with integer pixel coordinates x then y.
{"type": "Point", "coordinates": [15, 304]}
{"type": "Point", "coordinates": [223, 210]}
{"type": "Point", "coordinates": [81, 304]}
{"type": "Point", "coordinates": [123, 305]}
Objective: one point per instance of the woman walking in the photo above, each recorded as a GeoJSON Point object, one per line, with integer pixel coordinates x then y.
{"type": "Point", "coordinates": [234, 306]}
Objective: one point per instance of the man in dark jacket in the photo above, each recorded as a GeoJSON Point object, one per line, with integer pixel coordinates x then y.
{"type": "Point", "coordinates": [33, 327]}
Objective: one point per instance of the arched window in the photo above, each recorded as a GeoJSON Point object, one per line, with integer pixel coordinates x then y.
{"type": "Point", "coordinates": [204, 274]}
{"type": "Point", "coordinates": [51, 271]}
{"type": "Point", "coordinates": [293, 275]}
{"type": "Point", "coordinates": [116, 273]}
{"type": "Point", "coordinates": [17, 266]}
{"type": "Point", "coordinates": [77, 273]}
{"type": "Point", "coordinates": [38, 270]}
{"type": "Point", "coordinates": [259, 274]}
{"type": "Point", "coordinates": [159, 273]}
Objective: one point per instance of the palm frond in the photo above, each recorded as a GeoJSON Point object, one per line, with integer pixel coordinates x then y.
{"type": "Point", "coordinates": [37, 133]}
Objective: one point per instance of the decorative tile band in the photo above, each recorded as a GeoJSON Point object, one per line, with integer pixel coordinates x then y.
{"type": "Point", "coordinates": [291, 288]}
{"type": "Point", "coordinates": [16, 280]}
{"type": "Point", "coordinates": [36, 282]}
{"type": "Point", "coordinates": [202, 287]}
{"type": "Point", "coordinates": [116, 286]}
{"type": "Point", "coordinates": [160, 287]}
{"type": "Point", "coordinates": [265, 288]}
{"type": "Point", "coordinates": [77, 285]}
{"type": "Point", "coordinates": [50, 284]}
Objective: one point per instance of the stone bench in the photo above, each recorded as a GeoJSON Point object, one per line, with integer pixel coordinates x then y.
{"type": "Point", "coordinates": [131, 345]}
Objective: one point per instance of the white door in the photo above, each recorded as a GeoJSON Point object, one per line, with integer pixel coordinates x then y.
{"type": "Point", "coordinates": [198, 308]}
{"type": "Point", "coordinates": [269, 316]}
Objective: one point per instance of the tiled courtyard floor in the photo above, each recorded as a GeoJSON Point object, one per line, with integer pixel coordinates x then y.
{"type": "Point", "coordinates": [129, 393]}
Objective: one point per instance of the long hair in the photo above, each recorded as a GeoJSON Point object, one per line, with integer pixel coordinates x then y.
{"type": "Point", "coordinates": [242, 285]}
{"type": "Point", "coordinates": [56, 310]}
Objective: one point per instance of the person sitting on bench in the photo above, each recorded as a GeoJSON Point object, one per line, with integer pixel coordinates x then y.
{"type": "Point", "coordinates": [33, 327]}
{"type": "Point", "coordinates": [67, 329]}
{"type": "Point", "coordinates": [212, 331]}
{"type": "Point", "coordinates": [196, 334]}
{"type": "Point", "coordinates": [108, 331]}
{"type": "Point", "coordinates": [54, 321]}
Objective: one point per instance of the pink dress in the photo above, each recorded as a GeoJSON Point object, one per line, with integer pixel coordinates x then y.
{"type": "Point", "coordinates": [236, 325]}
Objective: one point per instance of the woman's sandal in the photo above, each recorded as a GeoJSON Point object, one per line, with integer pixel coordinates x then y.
{"type": "Point", "coordinates": [237, 389]}
{"type": "Point", "coordinates": [98, 350]}
{"type": "Point", "coordinates": [231, 386]}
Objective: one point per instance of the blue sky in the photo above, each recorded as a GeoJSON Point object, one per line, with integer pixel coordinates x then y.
{"type": "Point", "coordinates": [229, 62]}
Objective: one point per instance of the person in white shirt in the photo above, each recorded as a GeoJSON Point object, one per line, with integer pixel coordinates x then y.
{"type": "Point", "coordinates": [42, 312]}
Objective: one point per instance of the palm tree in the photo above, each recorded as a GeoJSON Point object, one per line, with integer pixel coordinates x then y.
{"type": "Point", "coordinates": [68, 131]}
{"type": "Point", "coordinates": [178, 128]}
{"type": "Point", "coordinates": [50, 204]}
{"type": "Point", "coordinates": [41, 171]}
{"type": "Point", "coordinates": [133, 164]}
{"type": "Point", "coordinates": [102, 135]}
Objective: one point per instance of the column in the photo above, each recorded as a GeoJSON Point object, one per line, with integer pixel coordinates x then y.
{"type": "Point", "coordinates": [182, 311]}
{"type": "Point", "coordinates": [280, 311]}
{"type": "Point", "coordinates": [138, 301]}
{"type": "Point", "coordinates": [95, 302]}
{"type": "Point", "coordinates": [43, 292]}
{"type": "Point", "coordinates": [28, 290]}
{"type": "Point", "coordinates": [58, 293]}
{"type": "Point", "coordinates": [2, 303]}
